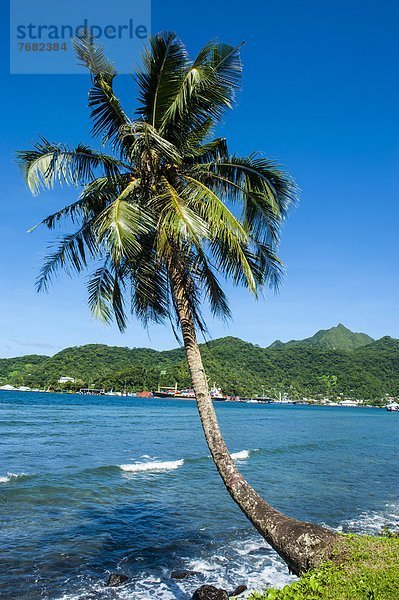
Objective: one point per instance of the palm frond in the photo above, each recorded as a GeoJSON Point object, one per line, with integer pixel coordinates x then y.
{"type": "Point", "coordinates": [105, 296]}
{"type": "Point", "coordinates": [106, 110]}
{"type": "Point", "coordinates": [49, 163]}
{"type": "Point", "coordinates": [179, 224]}
{"type": "Point", "coordinates": [198, 135]}
{"type": "Point", "coordinates": [120, 226]}
{"type": "Point", "coordinates": [72, 255]}
{"type": "Point", "coordinates": [92, 56]}
{"type": "Point", "coordinates": [269, 267]}
{"type": "Point", "coordinates": [149, 285]}
{"type": "Point", "coordinates": [228, 238]}
{"type": "Point", "coordinates": [215, 150]}
{"type": "Point", "coordinates": [258, 174]}
{"type": "Point", "coordinates": [100, 192]}
{"type": "Point", "coordinates": [163, 68]}
{"type": "Point", "coordinates": [146, 145]}
{"type": "Point", "coordinates": [118, 302]}
{"type": "Point", "coordinates": [264, 191]}
{"type": "Point", "coordinates": [100, 291]}
{"type": "Point", "coordinates": [207, 89]}
{"type": "Point", "coordinates": [72, 211]}
{"type": "Point", "coordinates": [214, 293]}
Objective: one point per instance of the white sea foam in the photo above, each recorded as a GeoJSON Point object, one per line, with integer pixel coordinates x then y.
{"type": "Point", "coordinates": [242, 455]}
{"type": "Point", "coordinates": [372, 522]}
{"type": "Point", "coordinates": [243, 560]}
{"type": "Point", "coordinates": [11, 476]}
{"type": "Point", "coordinates": [250, 561]}
{"type": "Point", "coordinates": [152, 466]}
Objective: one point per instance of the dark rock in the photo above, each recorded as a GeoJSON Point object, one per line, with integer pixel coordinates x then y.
{"type": "Point", "coordinates": [209, 592]}
{"type": "Point", "coordinates": [239, 590]}
{"type": "Point", "coordinates": [183, 574]}
{"type": "Point", "coordinates": [116, 579]}
{"type": "Point", "coordinates": [258, 552]}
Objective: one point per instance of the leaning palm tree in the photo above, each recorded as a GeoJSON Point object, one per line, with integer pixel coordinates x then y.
{"type": "Point", "coordinates": [163, 215]}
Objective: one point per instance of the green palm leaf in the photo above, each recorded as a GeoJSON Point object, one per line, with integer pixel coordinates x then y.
{"type": "Point", "coordinates": [106, 111]}
{"type": "Point", "coordinates": [147, 144]}
{"type": "Point", "coordinates": [228, 238]}
{"type": "Point", "coordinates": [205, 92]}
{"type": "Point", "coordinates": [48, 164]}
{"type": "Point", "coordinates": [72, 255]}
{"type": "Point", "coordinates": [120, 226]}
{"type": "Point", "coordinates": [159, 79]}
{"type": "Point", "coordinates": [214, 293]}
{"type": "Point", "coordinates": [105, 296]}
{"type": "Point", "coordinates": [149, 285]}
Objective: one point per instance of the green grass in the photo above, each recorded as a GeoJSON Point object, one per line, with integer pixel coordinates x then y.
{"type": "Point", "coordinates": [367, 569]}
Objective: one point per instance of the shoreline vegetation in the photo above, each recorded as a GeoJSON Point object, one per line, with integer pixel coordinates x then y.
{"type": "Point", "coordinates": [365, 568]}
{"type": "Point", "coordinates": [335, 366]}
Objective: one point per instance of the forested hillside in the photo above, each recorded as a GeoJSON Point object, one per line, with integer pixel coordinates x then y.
{"type": "Point", "coordinates": [299, 369]}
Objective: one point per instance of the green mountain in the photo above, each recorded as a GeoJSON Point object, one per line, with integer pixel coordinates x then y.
{"type": "Point", "coordinates": [336, 338]}
{"type": "Point", "coordinates": [302, 369]}
{"type": "Point", "coordinates": [20, 367]}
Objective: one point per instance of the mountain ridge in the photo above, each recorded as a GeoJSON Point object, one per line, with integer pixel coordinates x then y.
{"type": "Point", "coordinates": [335, 338]}
{"type": "Point", "coordinates": [276, 344]}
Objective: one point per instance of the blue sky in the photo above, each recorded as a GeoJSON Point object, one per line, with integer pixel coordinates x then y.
{"type": "Point", "coordinates": [320, 95]}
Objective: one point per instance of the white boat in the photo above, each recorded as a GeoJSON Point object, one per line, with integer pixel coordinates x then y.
{"type": "Point", "coordinates": [216, 393]}
{"type": "Point", "coordinates": [393, 407]}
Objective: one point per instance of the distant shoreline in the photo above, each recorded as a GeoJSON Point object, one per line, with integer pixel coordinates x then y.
{"type": "Point", "coordinates": [250, 401]}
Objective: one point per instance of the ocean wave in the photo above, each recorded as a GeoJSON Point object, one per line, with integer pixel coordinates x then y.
{"type": "Point", "coordinates": [150, 464]}
{"type": "Point", "coordinates": [168, 465]}
{"type": "Point", "coordinates": [11, 476]}
{"type": "Point", "coordinates": [240, 455]}
{"type": "Point", "coordinates": [372, 522]}
{"type": "Point", "coordinates": [243, 454]}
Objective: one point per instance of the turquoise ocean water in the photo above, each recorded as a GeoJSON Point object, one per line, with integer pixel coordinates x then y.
{"type": "Point", "coordinates": [90, 485]}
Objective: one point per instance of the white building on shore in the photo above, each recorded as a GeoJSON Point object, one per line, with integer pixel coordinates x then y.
{"type": "Point", "coordinates": [66, 380]}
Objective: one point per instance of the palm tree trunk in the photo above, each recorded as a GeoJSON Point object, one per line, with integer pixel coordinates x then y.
{"type": "Point", "coordinates": [301, 545]}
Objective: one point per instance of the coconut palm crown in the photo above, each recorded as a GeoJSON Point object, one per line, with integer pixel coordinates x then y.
{"type": "Point", "coordinates": [169, 201]}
